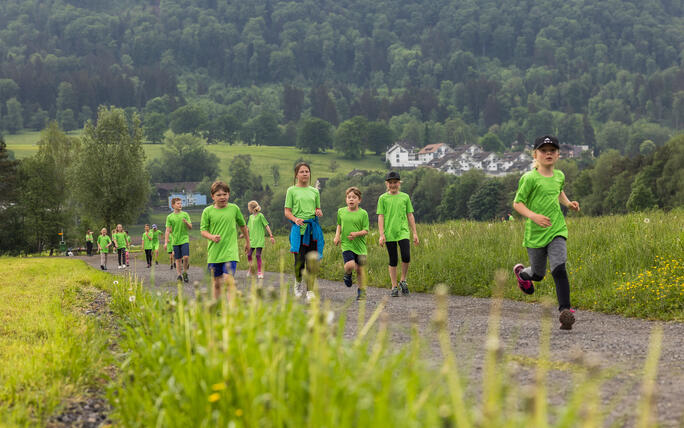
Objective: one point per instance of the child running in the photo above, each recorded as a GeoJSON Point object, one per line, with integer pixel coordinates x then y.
{"type": "Point", "coordinates": [302, 207]}
{"type": "Point", "coordinates": [257, 226]}
{"type": "Point", "coordinates": [155, 243]}
{"type": "Point", "coordinates": [177, 225]}
{"type": "Point", "coordinates": [148, 245]}
{"type": "Point", "coordinates": [119, 238]}
{"type": "Point", "coordinates": [395, 216]}
{"type": "Point", "coordinates": [352, 224]}
{"type": "Point", "coordinates": [103, 244]}
{"type": "Point", "coordinates": [89, 243]}
{"type": "Point", "coordinates": [218, 225]}
{"type": "Point", "coordinates": [540, 193]}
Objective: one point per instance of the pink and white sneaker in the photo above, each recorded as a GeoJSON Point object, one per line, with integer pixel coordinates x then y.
{"type": "Point", "coordinates": [525, 286]}
{"type": "Point", "coordinates": [260, 275]}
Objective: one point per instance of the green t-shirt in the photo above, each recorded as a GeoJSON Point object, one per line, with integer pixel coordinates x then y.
{"type": "Point", "coordinates": [119, 239]}
{"type": "Point", "coordinates": [103, 241]}
{"type": "Point", "coordinates": [222, 221]}
{"type": "Point", "coordinates": [89, 237]}
{"type": "Point", "coordinates": [178, 229]}
{"type": "Point", "coordinates": [395, 208]}
{"type": "Point", "coordinates": [540, 195]}
{"type": "Point", "coordinates": [353, 221]}
{"type": "Point", "coordinates": [257, 230]}
{"type": "Point", "coordinates": [303, 202]}
{"type": "Point", "coordinates": [169, 246]}
{"type": "Point", "coordinates": [147, 240]}
{"type": "Point", "coordinates": [128, 240]}
{"type": "Point", "coordinates": [155, 236]}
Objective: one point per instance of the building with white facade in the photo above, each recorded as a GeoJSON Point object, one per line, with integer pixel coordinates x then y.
{"type": "Point", "coordinates": [402, 155]}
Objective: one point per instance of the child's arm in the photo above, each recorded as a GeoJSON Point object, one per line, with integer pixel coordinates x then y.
{"type": "Point", "coordinates": [268, 229]}
{"type": "Point", "coordinates": [187, 223]}
{"type": "Point", "coordinates": [540, 219]}
{"type": "Point", "coordinates": [292, 218]}
{"type": "Point", "coordinates": [563, 199]}
{"type": "Point", "coordinates": [209, 236]}
{"type": "Point", "coordinates": [245, 232]}
{"type": "Point", "coordinates": [356, 234]}
{"type": "Point", "coordinates": [336, 239]}
{"type": "Point", "coordinates": [381, 229]}
{"type": "Point", "coordinates": [412, 224]}
{"type": "Point", "coordinates": [166, 236]}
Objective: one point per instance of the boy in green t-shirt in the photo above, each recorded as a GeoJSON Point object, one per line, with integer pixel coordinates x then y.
{"type": "Point", "coordinates": [352, 223]}
{"type": "Point", "coordinates": [148, 245]}
{"type": "Point", "coordinates": [120, 242]}
{"type": "Point", "coordinates": [89, 243]}
{"type": "Point", "coordinates": [540, 193]}
{"type": "Point", "coordinates": [395, 216]}
{"type": "Point", "coordinates": [218, 225]}
{"type": "Point", "coordinates": [103, 244]}
{"type": "Point", "coordinates": [155, 243]}
{"type": "Point", "coordinates": [177, 225]}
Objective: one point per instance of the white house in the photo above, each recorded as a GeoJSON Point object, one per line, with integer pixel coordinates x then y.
{"type": "Point", "coordinates": [464, 159]}
{"type": "Point", "coordinates": [402, 155]}
{"type": "Point", "coordinates": [433, 151]}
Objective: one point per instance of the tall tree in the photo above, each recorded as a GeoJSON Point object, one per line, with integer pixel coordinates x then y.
{"type": "Point", "coordinates": [315, 135]}
{"type": "Point", "coordinates": [12, 237]}
{"type": "Point", "coordinates": [111, 179]}
{"type": "Point", "coordinates": [351, 137]}
{"type": "Point", "coordinates": [184, 157]}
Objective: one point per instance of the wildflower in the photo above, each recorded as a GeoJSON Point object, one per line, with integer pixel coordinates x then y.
{"type": "Point", "coordinates": [131, 298]}
{"type": "Point", "coordinates": [238, 412]}
{"type": "Point", "coordinates": [329, 317]}
{"type": "Point", "coordinates": [116, 282]}
{"type": "Point", "coordinates": [213, 398]}
{"type": "Point", "coordinates": [218, 386]}
{"type": "Point", "coordinates": [647, 220]}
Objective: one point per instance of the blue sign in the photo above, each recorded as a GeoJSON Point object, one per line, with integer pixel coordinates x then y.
{"type": "Point", "coordinates": [189, 200]}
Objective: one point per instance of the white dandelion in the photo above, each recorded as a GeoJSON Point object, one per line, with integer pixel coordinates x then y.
{"type": "Point", "coordinates": [116, 282]}
{"type": "Point", "coordinates": [647, 220]}
{"type": "Point", "coordinates": [131, 298]}
{"type": "Point", "coordinates": [329, 317]}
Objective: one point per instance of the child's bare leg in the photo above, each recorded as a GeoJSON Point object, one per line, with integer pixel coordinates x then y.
{"type": "Point", "coordinates": [217, 287]}
{"type": "Point", "coordinates": [178, 265]}
{"type": "Point", "coordinates": [393, 276]}
{"type": "Point", "coordinates": [361, 276]}
{"type": "Point", "coordinates": [229, 282]}
{"type": "Point", "coordinates": [186, 263]}
{"type": "Point", "coordinates": [349, 267]}
{"type": "Point", "coordinates": [404, 270]}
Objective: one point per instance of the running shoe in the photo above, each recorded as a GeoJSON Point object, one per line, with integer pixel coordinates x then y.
{"type": "Point", "coordinates": [360, 294]}
{"type": "Point", "coordinates": [179, 279]}
{"type": "Point", "coordinates": [348, 279]}
{"type": "Point", "coordinates": [394, 292]}
{"type": "Point", "coordinates": [310, 296]}
{"type": "Point", "coordinates": [525, 286]}
{"type": "Point", "coordinates": [404, 288]}
{"type": "Point", "coordinates": [260, 275]}
{"type": "Point", "coordinates": [185, 277]}
{"type": "Point", "coordinates": [102, 267]}
{"type": "Point", "coordinates": [299, 289]}
{"type": "Point", "coordinates": [567, 319]}
{"type": "Point", "coordinates": [156, 262]}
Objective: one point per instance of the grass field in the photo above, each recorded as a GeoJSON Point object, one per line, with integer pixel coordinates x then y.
{"type": "Point", "coordinates": [629, 265]}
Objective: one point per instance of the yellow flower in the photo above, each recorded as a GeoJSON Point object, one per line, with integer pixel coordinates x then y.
{"type": "Point", "coordinates": [213, 398]}
{"type": "Point", "coordinates": [218, 386]}
{"type": "Point", "coordinates": [238, 412]}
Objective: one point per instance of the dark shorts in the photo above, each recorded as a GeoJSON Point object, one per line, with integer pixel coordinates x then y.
{"type": "Point", "coordinates": [225, 268]}
{"type": "Point", "coordinates": [180, 251]}
{"type": "Point", "coordinates": [348, 256]}
{"type": "Point", "coordinates": [404, 248]}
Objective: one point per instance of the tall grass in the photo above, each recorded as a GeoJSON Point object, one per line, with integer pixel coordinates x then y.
{"type": "Point", "coordinates": [50, 349]}
{"type": "Point", "coordinates": [629, 264]}
{"type": "Point", "coordinates": [264, 360]}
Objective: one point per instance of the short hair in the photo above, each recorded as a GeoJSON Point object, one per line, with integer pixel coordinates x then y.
{"type": "Point", "coordinates": [173, 200]}
{"type": "Point", "coordinates": [147, 225]}
{"type": "Point", "coordinates": [219, 185]}
{"type": "Point", "coordinates": [355, 190]}
{"type": "Point", "coordinates": [298, 166]}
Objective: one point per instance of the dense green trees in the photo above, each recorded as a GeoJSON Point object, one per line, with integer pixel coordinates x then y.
{"type": "Point", "coordinates": [184, 157]}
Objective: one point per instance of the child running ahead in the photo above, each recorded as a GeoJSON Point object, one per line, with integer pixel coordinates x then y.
{"type": "Point", "coordinates": [395, 216]}
{"type": "Point", "coordinates": [120, 242]}
{"type": "Point", "coordinates": [155, 243]}
{"type": "Point", "coordinates": [218, 225]}
{"type": "Point", "coordinates": [103, 244]}
{"type": "Point", "coordinates": [540, 193]}
{"type": "Point", "coordinates": [257, 226]}
{"type": "Point", "coordinates": [148, 244]}
{"type": "Point", "coordinates": [352, 228]}
{"type": "Point", "coordinates": [177, 225]}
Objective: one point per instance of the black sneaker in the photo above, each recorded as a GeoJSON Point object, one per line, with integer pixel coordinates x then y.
{"type": "Point", "coordinates": [185, 277]}
{"type": "Point", "coordinates": [171, 266]}
{"type": "Point", "coordinates": [360, 294]}
{"type": "Point", "coordinates": [156, 262]}
{"type": "Point", "coordinates": [394, 292]}
{"type": "Point", "coordinates": [567, 319]}
{"type": "Point", "coordinates": [179, 279]}
{"type": "Point", "coordinates": [348, 279]}
{"type": "Point", "coordinates": [102, 267]}
{"type": "Point", "coordinates": [404, 288]}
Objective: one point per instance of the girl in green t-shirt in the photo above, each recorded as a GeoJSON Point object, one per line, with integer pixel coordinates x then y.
{"type": "Point", "coordinates": [302, 203]}
{"type": "Point", "coordinates": [120, 242]}
{"type": "Point", "coordinates": [257, 226]}
{"type": "Point", "coordinates": [540, 193]}
{"type": "Point", "coordinates": [395, 217]}
{"type": "Point", "coordinates": [103, 244]}
{"type": "Point", "coordinates": [148, 244]}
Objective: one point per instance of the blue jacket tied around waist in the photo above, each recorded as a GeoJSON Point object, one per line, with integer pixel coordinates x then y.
{"type": "Point", "coordinates": [313, 231]}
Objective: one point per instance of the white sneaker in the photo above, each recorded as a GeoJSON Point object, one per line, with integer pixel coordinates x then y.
{"type": "Point", "coordinates": [260, 276]}
{"type": "Point", "coordinates": [120, 267]}
{"type": "Point", "coordinates": [299, 289]}
{"type": "Point", "coordinates": [310, 296]}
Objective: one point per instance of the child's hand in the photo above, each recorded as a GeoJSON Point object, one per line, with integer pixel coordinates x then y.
{"type": "Point", "coordinates": [336, 240]}
{"type": "Point", "coordinates": [574, 205]}
{"type": "Point", "coordinates": [381, 241]}
{"type": "Point", "coordinates": [416, 241]}
{"type": "Point", "coordinates": [351, 236]}
{"type": "Point", "coordinates": [272, 240]}
{"type": "Point", "coordinates": [299, 222]}
{"type": "Point", "coordinates": [216, 238]}
{"type": "Point", "coordinates": [541, 220]}
{"type": "Point", "coordinates": [319, 213]}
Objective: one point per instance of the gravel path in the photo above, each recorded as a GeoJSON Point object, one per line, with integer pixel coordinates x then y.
{"type": "Point", "coordinates": [613, 342]}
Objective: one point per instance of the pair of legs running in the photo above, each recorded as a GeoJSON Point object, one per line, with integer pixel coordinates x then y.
{"type": "Point", "coordinates": [301, 288]}
{"type": "Point", "coordinates": [557, 254]}
{"type": "Point", "coordinates": [405, 250]}
{"type": "Point", "coordinates": [355, 262]}
{"type": "Point", "coordinates": [260, 273]}
{"type": "Point", "coordinates": [223, 273]}
{"type": "Point", "coordinates": [181, 253]}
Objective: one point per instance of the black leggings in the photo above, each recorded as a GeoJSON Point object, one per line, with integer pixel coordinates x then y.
{"type": "Point", "coordinates": [89, 248]}
{"type": "Point", "coordinates": [300, 258]}
{"type": "Point", "coordinates": [404, 249]}
{"type": "Point", "coordinates": [121, 255]}
{"type": "Point", "coordinates": [148, 256]}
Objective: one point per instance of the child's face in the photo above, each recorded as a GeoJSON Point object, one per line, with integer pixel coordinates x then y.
{"type": "Point", "coordinates": [147, 228]}
{"type": "Point", "coordinates": [546, 155]}
{"type": "Point", "coordinates": [103, 231]}
{"type": "Point", "coordinates": [119, 228]}
{"type": "Point", "coordinates": [393, 185]}
{"type": "Point", "coordinates": [177, 205]}
{"type": "Point", "coordinates": [303, 175]}
{"type": "Point", "coordinates": [220, 198]}
{"type": "Point", "coordinates": [353, 201]}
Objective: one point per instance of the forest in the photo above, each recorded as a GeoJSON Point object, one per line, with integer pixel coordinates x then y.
{"type": "Point", "coordinates": [604, 74]}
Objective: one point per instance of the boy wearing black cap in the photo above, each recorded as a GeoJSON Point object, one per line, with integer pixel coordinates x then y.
{"type": "Point", "coordinates": [540, 193]}
{"type": "Point", "coordinates": [395, 216]}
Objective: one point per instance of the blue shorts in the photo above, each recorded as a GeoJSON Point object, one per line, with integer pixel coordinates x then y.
{"type": "Point", "coordinates": [225, 268]}
{"type": "Point", "coordinates": [180, 251]}
{"type": "Point", "coordinates": [348, 256]}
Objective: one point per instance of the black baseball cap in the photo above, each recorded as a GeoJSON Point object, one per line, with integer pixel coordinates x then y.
{"type": "Point", "coordinates": [392, 175]}
{"type": "Point", "coordinates": [546, 139]}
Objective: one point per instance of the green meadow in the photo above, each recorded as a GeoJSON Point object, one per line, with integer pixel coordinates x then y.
{"type": "Point", "coordinates": [630, 265]}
